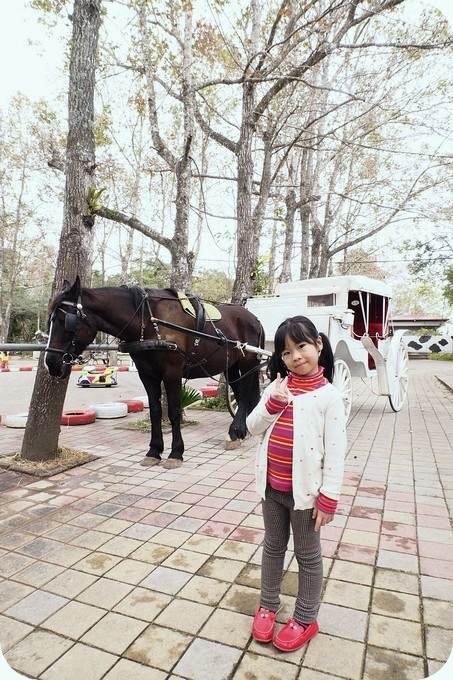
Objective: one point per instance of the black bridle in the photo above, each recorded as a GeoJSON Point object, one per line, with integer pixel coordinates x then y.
{"type": "Point", "coordinates": [72, 323]}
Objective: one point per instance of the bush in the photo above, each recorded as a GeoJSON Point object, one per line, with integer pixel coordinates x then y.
{"type": "Point", "coordinates": [213, 403]}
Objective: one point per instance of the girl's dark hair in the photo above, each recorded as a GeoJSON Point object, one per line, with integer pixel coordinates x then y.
{"type": "Point", "coordinates": [299, 329]}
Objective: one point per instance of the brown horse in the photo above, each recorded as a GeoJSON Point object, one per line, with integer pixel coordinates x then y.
{"type": "Point", "coordinates": [167, 345]}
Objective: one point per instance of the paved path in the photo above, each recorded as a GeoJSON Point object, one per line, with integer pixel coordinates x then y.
{"type": "Point", "coordinates": [116, 571]}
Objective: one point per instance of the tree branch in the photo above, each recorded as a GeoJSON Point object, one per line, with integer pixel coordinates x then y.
{"type": "Point", "coordinates": [134, 223]}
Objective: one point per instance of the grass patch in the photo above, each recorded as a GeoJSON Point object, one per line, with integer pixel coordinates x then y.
{"type": "Point", "coordinates": [65, 459]}
{"type": "Point", "coordinates": [441, 356]}
{"type": "Point", "coordinates": [212, 404]}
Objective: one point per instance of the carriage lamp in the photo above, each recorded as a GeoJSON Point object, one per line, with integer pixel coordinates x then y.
{"type": "Point", "coordinates": [347, 319]}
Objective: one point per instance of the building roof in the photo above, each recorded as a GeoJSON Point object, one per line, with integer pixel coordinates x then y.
{"type": "Point", "coordinates": [418, 320]}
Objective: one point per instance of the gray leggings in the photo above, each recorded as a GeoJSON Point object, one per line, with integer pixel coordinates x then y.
{"type": "Point", "coordinates": [279, 516]}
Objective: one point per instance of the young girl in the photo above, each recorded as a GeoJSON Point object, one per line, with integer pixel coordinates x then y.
{"type": "Point", "coordinates": [299, 472]}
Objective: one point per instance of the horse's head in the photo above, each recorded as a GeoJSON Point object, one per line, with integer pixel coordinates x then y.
{"type": "Point", "coordinates": [69, 329]}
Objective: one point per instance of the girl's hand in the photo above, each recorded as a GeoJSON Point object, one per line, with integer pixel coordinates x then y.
{"type": "Point", "coordinates": [321, 518]}
{"type": "Point", "coordinates": [281, 392]}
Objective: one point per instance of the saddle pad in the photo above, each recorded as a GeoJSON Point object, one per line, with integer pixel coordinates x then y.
{"type": "Point", "coordinates": [212, 312]}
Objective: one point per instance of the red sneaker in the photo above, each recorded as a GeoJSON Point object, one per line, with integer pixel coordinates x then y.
{"type": "Point", "coordinates": [263, 625]}
{"type": "Point", "coordinates": [295, 635]}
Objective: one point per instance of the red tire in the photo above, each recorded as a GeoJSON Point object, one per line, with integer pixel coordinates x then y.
{"type": "Point", "coordinates": [77, 417]}
{"type": "Point", "coordinates": [209, 390]}
{"type": "Point", "coordinates": [133, 405]}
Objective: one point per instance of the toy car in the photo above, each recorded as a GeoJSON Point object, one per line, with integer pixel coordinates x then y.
{"type": "Point", "coordinates": [97, 376]}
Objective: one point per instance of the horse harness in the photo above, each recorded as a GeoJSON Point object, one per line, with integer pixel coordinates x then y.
{"type": "Point", "coordinates": [144, 344]}
{"type": "Point", "coordinates": [75, 315]}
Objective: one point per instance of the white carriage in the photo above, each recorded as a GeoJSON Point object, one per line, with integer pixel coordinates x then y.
{"type": "Point", "coordinates": [354, 313]}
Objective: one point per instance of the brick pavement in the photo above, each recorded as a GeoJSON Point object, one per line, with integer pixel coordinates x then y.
{"type": "Point", "coordinates": [116, 571]}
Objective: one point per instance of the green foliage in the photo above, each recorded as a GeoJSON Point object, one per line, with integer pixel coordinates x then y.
{"type": "Point", "coordinates": [151, 273]}
{"type": "Point", "coordinates": [430, 257]}
{"type": "Point", "coordinates": [213, 404]}
{"type": "Point", "coordinates": [448, 289]}
{"type": "Point", "coordinates": [441, 356]}
{"type": "Point", "coordinates": [189, 396]}
{"type": "Point", "coordinates": [103, 126]}
{"type": "Point", "coordinates": [212, 284]}
{"type": "Point", "coordinates": [361, 262]}
{"type": "Point", "coordinates": [97, 280]}
{"type": "Point", "coordinates": [259, 276]}
{"type": "Point", "coordinates": [412, 297]}
{"type": "Point", "coordinates": [49, 5]}
{"type": "Point", "coordinates": [93, 196]}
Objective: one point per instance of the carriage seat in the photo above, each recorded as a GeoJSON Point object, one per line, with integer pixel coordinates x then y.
{"type": "Point", "coordinates": [374, 332]}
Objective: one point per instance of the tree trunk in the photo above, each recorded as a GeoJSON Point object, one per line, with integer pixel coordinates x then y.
{"type": "Point", "coordinates": [290, 203]}
{"type": "Point", "coordinates": [245, 237]}
{"type": "Point", "coordinates": [305, 191]}
{"type": "Point", "coordinates": [43, 424]}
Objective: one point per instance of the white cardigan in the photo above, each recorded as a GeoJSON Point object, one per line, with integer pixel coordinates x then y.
{"type": "Point", "coordinates": [319, 444]}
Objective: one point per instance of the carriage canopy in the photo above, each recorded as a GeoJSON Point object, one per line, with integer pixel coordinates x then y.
{"type": "Point", "coordinates": [360, 303]}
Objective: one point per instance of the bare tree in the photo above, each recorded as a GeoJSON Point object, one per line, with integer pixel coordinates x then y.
{"type": "Point", "coordinates": [276, 91]}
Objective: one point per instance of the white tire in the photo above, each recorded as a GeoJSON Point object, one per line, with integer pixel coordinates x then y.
{"type": "Point", "coordinates": [114, 409]}
{"type": "Point", "coordinates": [16, 420]}
{"type": "Point", "coordinates": [144, 399]}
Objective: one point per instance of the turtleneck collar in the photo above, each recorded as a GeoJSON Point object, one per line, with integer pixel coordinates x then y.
{"type": "Point", "coordinates": [314, 377]}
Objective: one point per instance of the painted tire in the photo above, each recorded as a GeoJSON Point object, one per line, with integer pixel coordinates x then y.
{"type": "Point", "coordinates": [144, 399]}
{"type": "Point", "coordinates": [113, 409]}
{"type": "Point", "coordinates": [78, 417]}
{"type": "Point", "coordinates": [209, 390]}
{"type": "Point", "coordinates": [16, 420]}
{"type": "Point", "coordinates": [133, 405]}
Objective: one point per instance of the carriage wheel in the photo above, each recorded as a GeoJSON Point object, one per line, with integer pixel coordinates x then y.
{"type": "Point", "coordinates": [343, 382]}
{"type": "Point", "coordinates": [231, 399]}
{"type": "Point", "coordinates": [400, 379]}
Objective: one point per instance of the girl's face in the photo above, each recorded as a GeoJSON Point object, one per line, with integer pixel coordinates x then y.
{"type": "Point", "coordinates": [301, 357]}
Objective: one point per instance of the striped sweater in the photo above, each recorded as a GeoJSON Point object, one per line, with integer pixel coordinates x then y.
{"type": "Point", "coordinates": [280, 446]}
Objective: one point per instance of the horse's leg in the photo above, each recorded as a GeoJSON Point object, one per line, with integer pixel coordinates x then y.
{"type": "Point", "coordinates": [156, 444]}
{"type": "Point", "coordinates": [247, 393]}
{"type": "Point", "coordinates": [173, 390]}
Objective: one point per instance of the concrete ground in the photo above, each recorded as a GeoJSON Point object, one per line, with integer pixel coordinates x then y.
{"type": "Point", "coordinates": [116, 571]}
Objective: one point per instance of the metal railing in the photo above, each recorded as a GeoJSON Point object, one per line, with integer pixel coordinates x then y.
{"type": "Point", "coordinates": [35, 347]}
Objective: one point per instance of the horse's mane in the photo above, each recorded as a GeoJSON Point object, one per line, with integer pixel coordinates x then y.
{"type": "Point", "coordinates": [136, 294]}
{"type": "Point", "coordinates": [158, 293]}
{"type": "Point", "coordinates": [53, 304]}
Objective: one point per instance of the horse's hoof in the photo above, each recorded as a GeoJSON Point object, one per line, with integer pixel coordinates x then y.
{"type": "Point", "coordinates": [149, 461]}
{"type": "Point", "coordinates": [231, 444]}
{"type": "Point", "coordinates": [172, 463]}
